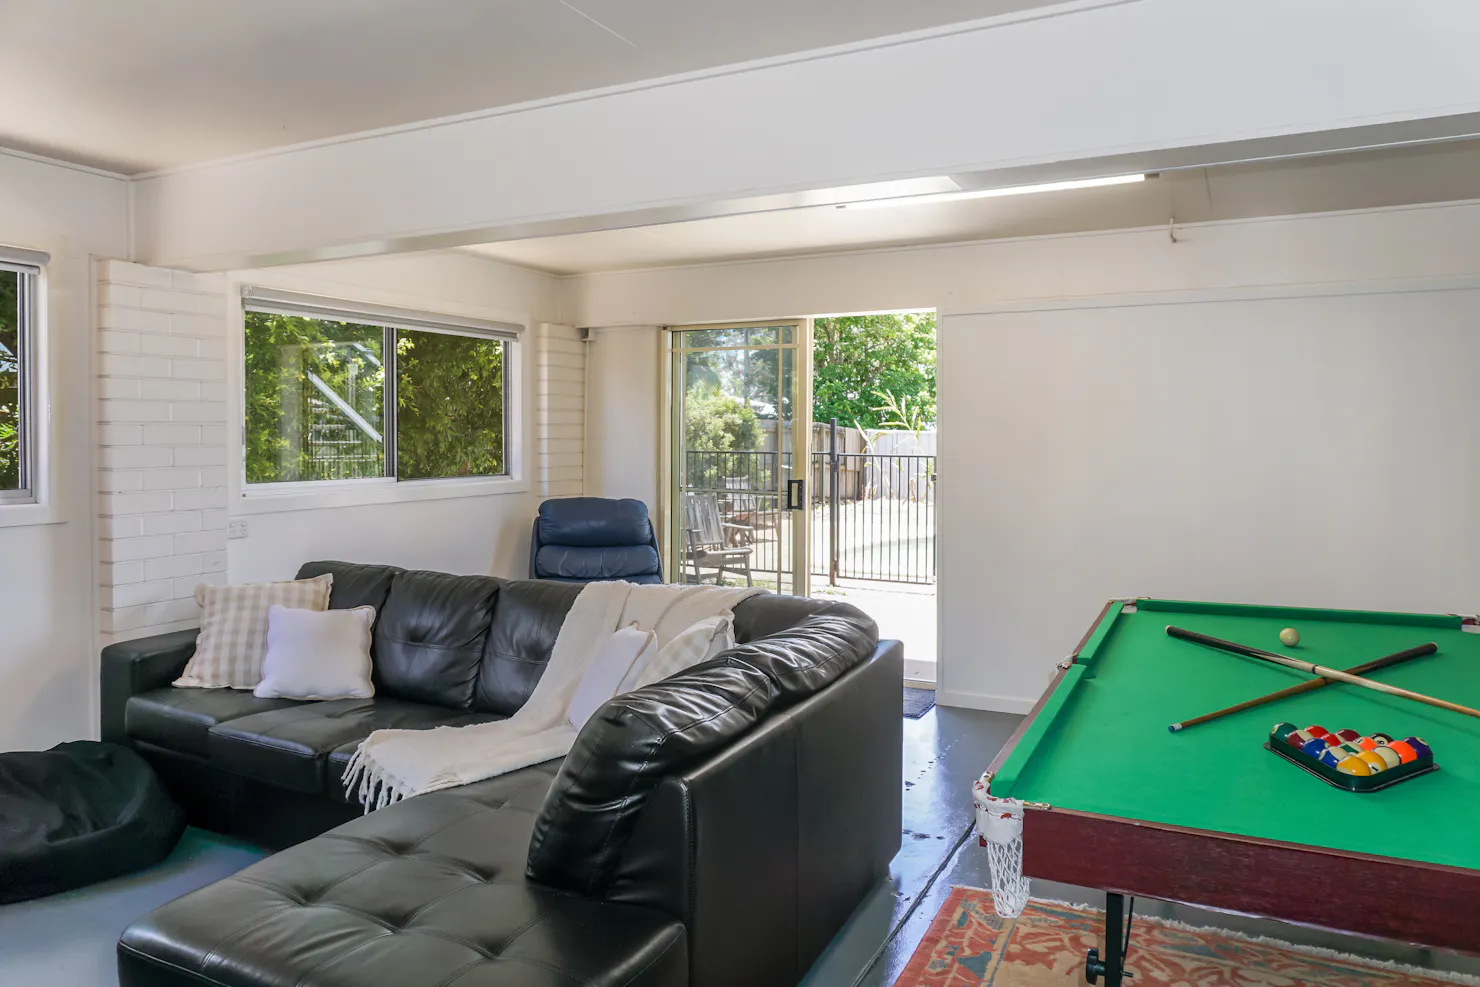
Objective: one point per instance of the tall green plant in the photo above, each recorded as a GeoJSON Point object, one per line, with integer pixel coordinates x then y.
{"type": "Point", "coordinates": [10, 411]}
{"type": "Point", "coordinates": [858, 358]}
{"type": "Point", "coordinates": [449, 405]}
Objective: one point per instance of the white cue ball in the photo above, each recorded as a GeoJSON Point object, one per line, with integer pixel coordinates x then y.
{"type": "Point", "coordinates": [1289, 637]}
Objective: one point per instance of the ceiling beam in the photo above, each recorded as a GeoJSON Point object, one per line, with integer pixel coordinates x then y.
{"type": "Point", "coordinates": [1075, 90]}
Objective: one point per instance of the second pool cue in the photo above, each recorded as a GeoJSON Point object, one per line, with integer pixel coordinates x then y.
{"type": "Point", "coordinates": [1370, 666]}
{"type": "Point", "coordinates": [1321, 670]}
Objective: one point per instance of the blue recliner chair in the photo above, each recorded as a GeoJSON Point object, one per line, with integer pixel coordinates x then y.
{"type": "Point", "coordinates": [588, 539]}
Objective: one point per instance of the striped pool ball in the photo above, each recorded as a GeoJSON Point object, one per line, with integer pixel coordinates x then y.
{"type": "Point", "coordinates": [1390, 757]}
{"type": "Point", "coordinates": [1331, 757]}
{"type": "Point", "coordinates": [1374, 760]}
{"type": "Point", "coordinates": [1419, 747]}
{"type": "Point", "coordinates": [1347, 735]}
{"type": "Point", "coordinates": [1354, 765]}
{"type": "Point", "coordinates": [1315, 747]}
{"type": "Point", "coordinates": [1352, 748]}
{"type": "Point", "coordinates": [1404, 752]}
{"type": "Point", "coordinates": [1367, 743]}
{"type": "Point", "coordinates": [1282, 730]}
{"type": "Point", "coordinates": [1299, 738]}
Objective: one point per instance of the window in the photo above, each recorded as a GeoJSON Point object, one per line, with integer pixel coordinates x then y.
{"type": "Point", "coordinates": [334, 393]}
{"type": "Point", "coordinates": [17, 428]}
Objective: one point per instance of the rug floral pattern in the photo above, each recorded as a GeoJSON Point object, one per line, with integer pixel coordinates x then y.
{"type": "Point", "coordinates": [970, 945]}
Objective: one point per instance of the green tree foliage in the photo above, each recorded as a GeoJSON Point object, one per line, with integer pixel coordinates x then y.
{"type": "Point", "coordinates": [449, 405]}
{"type": "Point", "coordinates": [10, 436]}
{"type": "Point", "coordinates": [306, 376]}
{"type": "Point", "coordinates": [716, 422]}
{"type": "Point", "coordinates": [865, 365]}
{"type": "Point", "coordinates": [284, 354]}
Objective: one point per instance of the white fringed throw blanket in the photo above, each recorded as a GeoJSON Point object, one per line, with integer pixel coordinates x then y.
{"type": "Point", "coordinates": [391, 765]}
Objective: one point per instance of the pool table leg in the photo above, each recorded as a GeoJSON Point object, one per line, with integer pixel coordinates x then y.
{"type": "Point", "coordinates": [1112, 967]}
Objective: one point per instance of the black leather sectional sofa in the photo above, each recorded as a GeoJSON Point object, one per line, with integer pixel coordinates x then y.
{"type": "Point", "coordinates": [713, 829]}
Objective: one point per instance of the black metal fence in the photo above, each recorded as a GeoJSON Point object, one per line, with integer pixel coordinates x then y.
{"type": "Point", "coordinates": [872, 515]}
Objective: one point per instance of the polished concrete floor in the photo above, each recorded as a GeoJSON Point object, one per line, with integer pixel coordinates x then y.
{"type": "Point", "coordinates": [68, 940]}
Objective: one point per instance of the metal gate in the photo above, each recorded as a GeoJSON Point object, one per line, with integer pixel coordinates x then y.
{"type": "Point", "coordinates": [873, 515]}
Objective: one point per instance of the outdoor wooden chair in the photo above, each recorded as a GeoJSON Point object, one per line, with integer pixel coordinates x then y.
{"type": "Point", "coordinates": [707, 537]}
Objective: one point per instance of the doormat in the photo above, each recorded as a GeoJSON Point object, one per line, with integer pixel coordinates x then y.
{"type": "Point", "coordinates": [918, 702]}
{"type": "Point", "coordinates": [969, 944]}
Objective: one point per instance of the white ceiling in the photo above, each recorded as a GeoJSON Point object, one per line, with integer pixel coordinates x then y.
{"type": "Point", "coordinates": [1428, 173]}
{"type": "Point", "coordinates": [135, 85]}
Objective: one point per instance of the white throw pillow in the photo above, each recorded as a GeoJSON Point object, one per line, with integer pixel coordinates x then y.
{"type": "Point", "coordinates": [624, 653]}
{"type": "Point", "coordinates": [694, 644]}
{"type": "Point", "coordinates": [233, 629]}
{"type": "Point", "coordinates": [317, 654]}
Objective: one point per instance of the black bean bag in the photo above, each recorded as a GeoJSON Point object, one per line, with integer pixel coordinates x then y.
{"type": "Point", "coordinates": [79, 813]}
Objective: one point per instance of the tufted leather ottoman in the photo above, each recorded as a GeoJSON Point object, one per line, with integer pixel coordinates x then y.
{"type": "Point", "coordinates": [427, 893]}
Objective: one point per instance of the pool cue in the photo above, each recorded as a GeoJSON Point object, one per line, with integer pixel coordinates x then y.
{"type": "Point", "coordinates": [1295, 690]}
{"type": "Point", "coordinates": [1321, 670]}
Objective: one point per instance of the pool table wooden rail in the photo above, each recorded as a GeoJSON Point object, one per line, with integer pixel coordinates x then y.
{"type": "Point", "coordinates": [1389, 897]}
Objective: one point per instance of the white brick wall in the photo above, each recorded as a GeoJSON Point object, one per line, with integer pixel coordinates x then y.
{"type": "Point", "coordinates": [162, 445]}
{"type": "Point", "coordinates": [560, 368]}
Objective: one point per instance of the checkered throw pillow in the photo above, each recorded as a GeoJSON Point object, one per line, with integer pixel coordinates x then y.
{"type": "Point", "coordinates": [233, 629]}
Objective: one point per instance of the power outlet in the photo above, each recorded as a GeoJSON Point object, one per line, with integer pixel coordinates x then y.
{"type": "Point", "coordinates": [236, 529]}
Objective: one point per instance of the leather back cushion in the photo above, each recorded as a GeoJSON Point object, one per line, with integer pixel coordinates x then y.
{"type": "Point", "coordinates": [630, 745]}
{"type": "Point", "coordinates": [355, 585]}
{"type": "Point", "coordinates": [804, 659]}
{"type": "Point", "coordinates": [768, 613]}
{"type": "Point", "coordinates": [593, 522]}
{"type": "Point", "coordinates": [525, 624]}
{"type": "Point", "coordinates": [581, 562]}
{"type": "Point", "coordinates": [430, 637]}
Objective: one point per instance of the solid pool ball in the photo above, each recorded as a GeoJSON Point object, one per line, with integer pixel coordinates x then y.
{"type": "Point", "coordinates": [1354, 766]}
{"type": "Point", "coordinates": [1316, 730]}
{"type": "Point", "coordinates": [1374, 760]}
{"type": "Point", "coordinates": [1404, 752]}
{"type": "Point", "coordinates": [1382, 739]}
{"type": "Point", "coordinates": [1390, 757]}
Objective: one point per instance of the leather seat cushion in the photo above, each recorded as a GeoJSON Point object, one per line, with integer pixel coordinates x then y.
{"type": "Point", "coordinates": [520, 639]}
{"type": "Point", "coordinates": [291, 747]}
{"type": "Point", "coordinates": [181, 719]}
{"type": "Point", "coordinates": [582, 562]}
{"type": "Point", "coordinates": [430, 636]}
{"type": "Point", "coordinates": [427, 892]}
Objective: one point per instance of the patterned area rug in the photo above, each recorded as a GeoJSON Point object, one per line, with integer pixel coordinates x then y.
{"type": "Point", "coordinates": [970, 944]}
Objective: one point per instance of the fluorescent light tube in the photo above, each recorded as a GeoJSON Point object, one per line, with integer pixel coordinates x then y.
{"type": "Point", "coordinates": [989, 193]}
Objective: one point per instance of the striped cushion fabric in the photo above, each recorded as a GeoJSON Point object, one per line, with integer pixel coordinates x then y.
{"type": "Point", "coordinates": [233, 629]}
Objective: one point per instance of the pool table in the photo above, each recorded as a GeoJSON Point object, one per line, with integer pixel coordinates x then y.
{"type": "Point", "coordinates": [1208, 816]}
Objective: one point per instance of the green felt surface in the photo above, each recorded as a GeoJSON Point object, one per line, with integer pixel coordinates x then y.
{"type": "Point", "coordinates": [1103, 744]}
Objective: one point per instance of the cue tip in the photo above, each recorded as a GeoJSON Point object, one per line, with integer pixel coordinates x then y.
{"type": "Point", "coordinates": [1174, 728]}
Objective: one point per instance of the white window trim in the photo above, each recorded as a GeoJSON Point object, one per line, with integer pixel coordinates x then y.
{"type": "Point", "coordinates": [37, 503]}
{"type": "Point", "coordinates": [270, 498]}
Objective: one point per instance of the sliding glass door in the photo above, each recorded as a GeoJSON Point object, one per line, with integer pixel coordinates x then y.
{"type": "Point", "coordinates": [735, 464]}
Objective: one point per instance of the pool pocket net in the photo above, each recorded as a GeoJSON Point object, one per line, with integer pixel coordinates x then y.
{"type": "Point", "coordinates": [999, 823]}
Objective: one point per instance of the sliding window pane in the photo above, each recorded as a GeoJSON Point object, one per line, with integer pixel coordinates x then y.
{"type": "Point", "coordinates": [12, 428]}
{"type": "Point", "coordinates": [315, 399]}
{"type": "Point", "coordinates": [449, 405]}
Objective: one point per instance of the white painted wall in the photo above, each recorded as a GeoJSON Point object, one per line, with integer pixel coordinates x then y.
{"type": "Point", "coordinates": [1262, 411]}
{"type": "Point", "coordinates": [623, 397]}
{"type": "Point", "coordinates": [486, 533]}
{"type": "Point", "coordinates": [48, 667]}
{"type": "Point", "coordinates": [1086, 79]}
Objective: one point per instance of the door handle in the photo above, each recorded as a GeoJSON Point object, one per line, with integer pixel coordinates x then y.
{"type": "Point", "coordinates": [796, 495]}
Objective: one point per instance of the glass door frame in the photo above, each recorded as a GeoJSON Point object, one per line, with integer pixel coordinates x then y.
{"type": "Point", "coordinates": [669, 480]}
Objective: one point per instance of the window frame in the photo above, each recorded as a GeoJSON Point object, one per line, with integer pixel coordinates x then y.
{"type": "Point", "coordinates": [28, 290]}
{"type": "Point", "coordinates": [308, 494]}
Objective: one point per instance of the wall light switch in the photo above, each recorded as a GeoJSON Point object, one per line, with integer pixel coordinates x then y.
{"type": "Point", "coordinates": [236, 529]}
